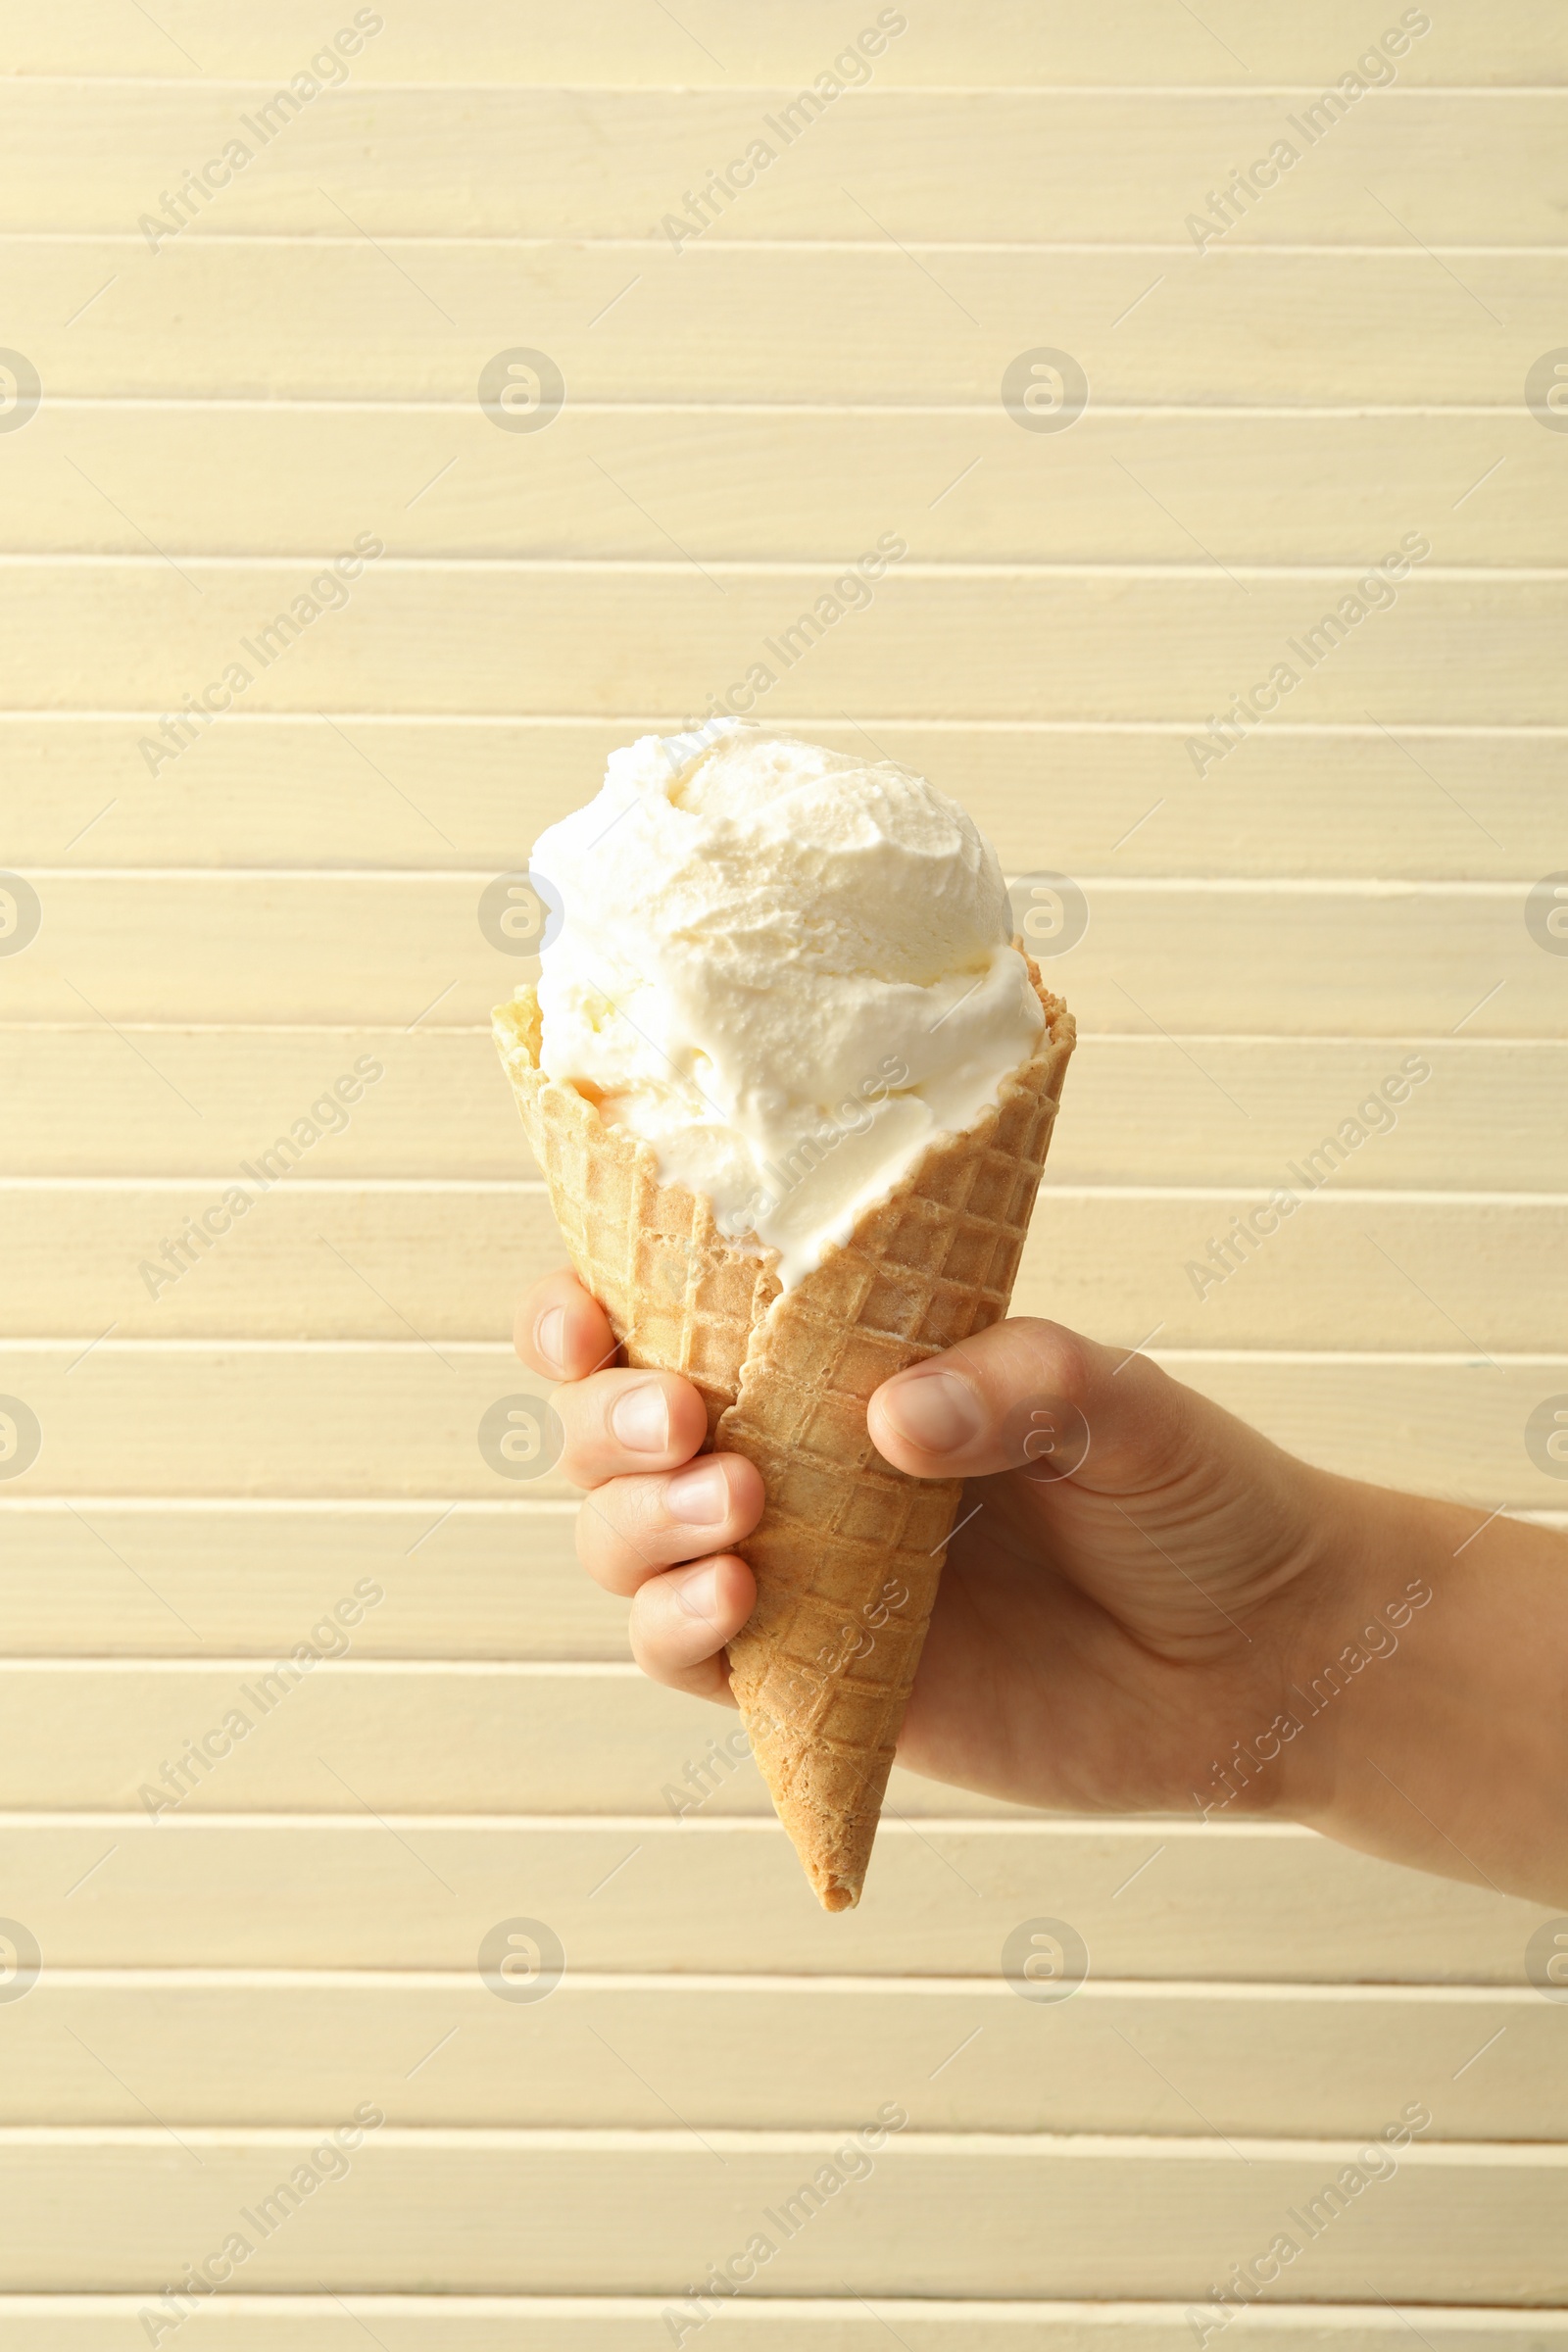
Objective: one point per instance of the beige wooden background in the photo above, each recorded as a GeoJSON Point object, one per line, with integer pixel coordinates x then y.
{"type": "Point", "coordinates": [222, 1464]}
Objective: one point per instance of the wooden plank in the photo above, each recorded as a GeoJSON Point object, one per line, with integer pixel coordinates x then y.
{"type": "Point", "coordinates": [822, 2323]}
{"type": "Point", "coordinates": [261, 1419]}
{"type": "Point", "coordinates": [475, 1579]}
{"type": "Point", "coordinates": [232, 1579]}
{"type": "Point", "coordinates": [713, 44]}
{"type": "Point", "coordinates": [297, 789]}
{"type": "Point", "coordinates": [741, 485]}
{"type": "Point", "coordinates": [117, 633]}
{"type": "Point", "coordinates": [331, 1258]}
{"type": "Point", "coordinates": [651, 1893]}
{"type": "Point", "coordinates": [410, 1735]}
{"type": "Point", "coordinates": [398, 949]}
{"type": "Point", "coordinates": [335, 319]}
{"type": "Point", "coordinates": [955, 2214]}
{"type": "Point", "coordinates": [85, 1102]}
{"type": "Point", "coordinates": [223, 2047]}
{"type": "Point", "coordinates": [944, 642]}
{"type": "Point", "coordinates": [357, 1418]}
{"type": "Point", "coordinates": [100, 155]}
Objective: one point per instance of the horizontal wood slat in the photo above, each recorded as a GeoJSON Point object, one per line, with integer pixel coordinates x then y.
{"type": "Point", "coordinates": [85, 1102]}
{"type": "Point", "coordinates": [113, 634]}
{"type": "Point", "coordinates": [1122, 487]}
{"type": "Point", "coordinates": [710, 45]}
{"type": "Point", "coordinates": [606, 163]}
{"type": "Point", "coordinates": [940, 643]}
{"type": "Point", "coordinates": [177, 1580]}
{"type": "Point", "coordinates": [420, 1736]}
{"type": "Point", "coordinates": [327, 1259]}
{"type": "Point", "coordinates": [605, 2052]}
{"type": "Point", "coordinates": [943, 2213]}
{"type": "Point", "coordinates": [338, 320]}
{"type": "Point", "coordinates": [820, 2322]}
{"type": "Point", "coordinates": [496, 1580]}
{"type": "Point", "coordinates": [300, 790]}
{"type": "Point", "coordinates": [371, 1419]}
{"type": "Point", "coordinates": [651, 1893]}
{"type": "Point", "coordinates": [399, 949]}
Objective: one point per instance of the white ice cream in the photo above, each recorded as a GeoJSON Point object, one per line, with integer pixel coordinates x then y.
{"type": "Point", "coordinates": [785, 967]}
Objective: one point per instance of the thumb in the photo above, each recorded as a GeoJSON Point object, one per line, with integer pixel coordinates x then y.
{"type": "Point", "coordinates": [1035, 1396]}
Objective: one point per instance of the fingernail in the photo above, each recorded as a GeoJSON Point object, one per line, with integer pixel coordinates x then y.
{"type": "Point", "coordinates": [697, 1593]}
{"type": "Point", "coordinates": [935, 1410]}
{"type": "Point", "coordinates": [698, 1498]}
{"type": "Point", "coordinates": [548, 1334]}
{"type": "Point", "coordinates": [640, 1418]}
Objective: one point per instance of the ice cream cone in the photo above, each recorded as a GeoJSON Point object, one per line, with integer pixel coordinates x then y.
{"type": "Point", "coordinates": [849, 1551]}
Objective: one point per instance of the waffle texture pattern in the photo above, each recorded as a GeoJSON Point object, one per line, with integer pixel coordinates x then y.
{"type": "Point", "coordinates": [850, 1550]}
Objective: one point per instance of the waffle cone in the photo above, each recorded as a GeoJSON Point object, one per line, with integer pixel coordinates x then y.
{"type": "Point", "coordinates": [849, 1550]}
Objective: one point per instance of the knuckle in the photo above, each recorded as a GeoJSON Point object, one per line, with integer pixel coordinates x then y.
{"type": "Point", "coordinates": [589, 1534]}
{"type": "Point", "coordinates": [583, 1406]}
{"type": "Point", "coordinates": [1064, 1361]}
{"type": "Point", "coordinates": [577, 1472]}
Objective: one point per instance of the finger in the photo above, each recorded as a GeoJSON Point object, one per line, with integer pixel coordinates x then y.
{"type": "Point", "coordinates": [632, 1528]}
{"type": "Point", "coordinates": [680, 1622]}
{"type": "Point", "coordinates": [1033, 1395]}
{"type": "Point", "coordinates": [560, 1330]}
{"type": "Point", "coordinates": [618, 1424]}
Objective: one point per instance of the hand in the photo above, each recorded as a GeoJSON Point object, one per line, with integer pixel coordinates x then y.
{"type": "Point", "coordinates": [1188, 1618]}
{"type": "Point", "coordinates": [1099, 1641]}
{"type": "Point", "coordinates": [650, 1527]}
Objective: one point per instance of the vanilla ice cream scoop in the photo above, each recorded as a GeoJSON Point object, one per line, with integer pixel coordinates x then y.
{"type": "Point", "coordinates": [786, 968]}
